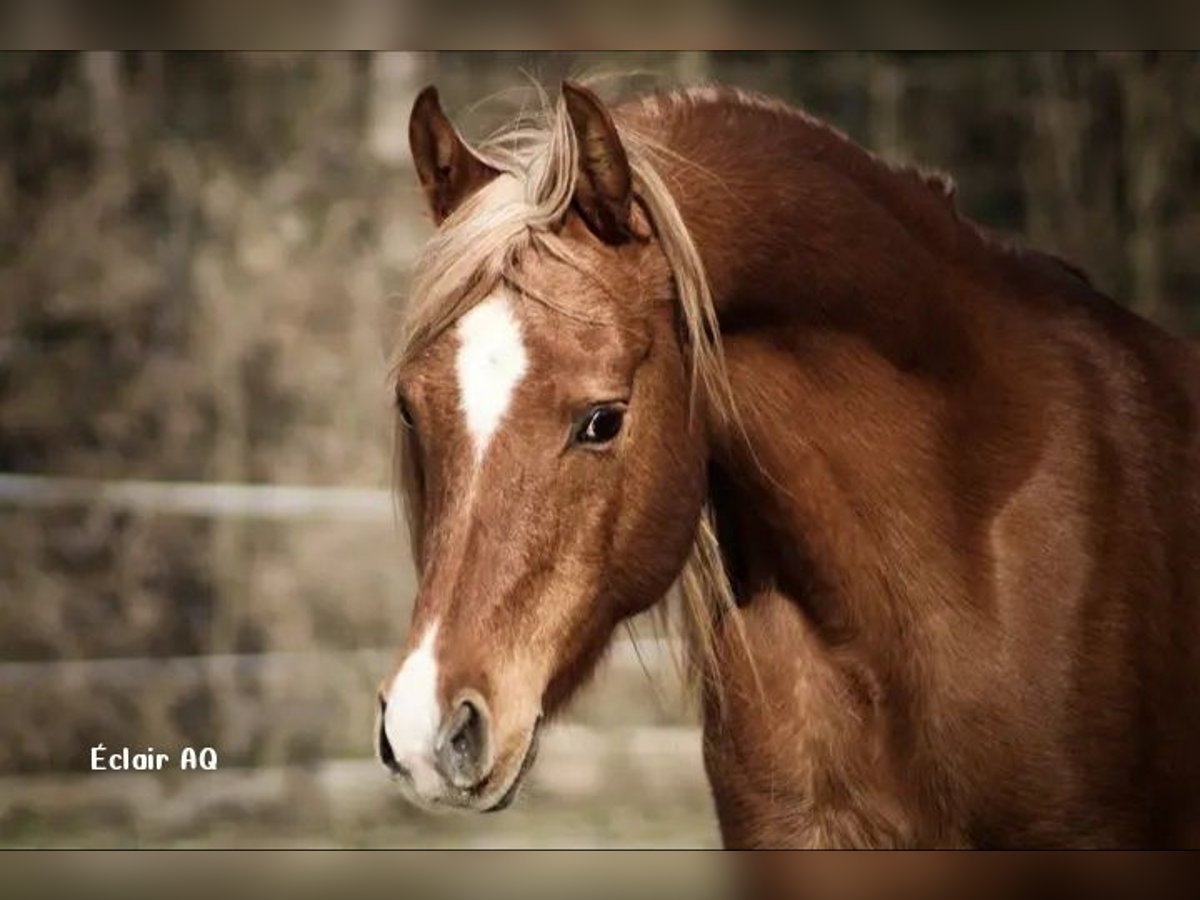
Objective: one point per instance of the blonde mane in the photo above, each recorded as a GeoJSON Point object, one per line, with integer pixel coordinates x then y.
{"type": "Point", "coordinates": [479, 246]}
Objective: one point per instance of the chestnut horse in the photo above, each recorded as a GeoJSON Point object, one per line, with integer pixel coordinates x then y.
{"type": "Point", "coordinates": [931, 500]}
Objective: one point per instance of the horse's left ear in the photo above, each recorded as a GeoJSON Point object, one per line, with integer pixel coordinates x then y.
{"type": "Point", "coordinates": [604, 190]}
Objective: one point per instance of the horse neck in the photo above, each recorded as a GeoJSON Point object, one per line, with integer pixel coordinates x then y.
{"type": "Point", "coordinates": [852, 308]}
{"type": "Point", "coordinates": [796, 223]}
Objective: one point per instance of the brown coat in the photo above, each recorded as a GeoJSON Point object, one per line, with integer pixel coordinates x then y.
{"type": "Point", "coordinates": [958, 504]}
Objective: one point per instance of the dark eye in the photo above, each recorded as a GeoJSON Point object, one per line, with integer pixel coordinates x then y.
{"type": "Point", "coordinates": [600, 425]}
{"type": "Point", "coordinates": [403, 412]}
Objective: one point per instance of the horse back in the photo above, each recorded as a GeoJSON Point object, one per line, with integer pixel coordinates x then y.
{"type": "Point", "coordinates": [1095, 568]}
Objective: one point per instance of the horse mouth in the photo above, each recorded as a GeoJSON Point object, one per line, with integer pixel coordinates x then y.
{"type": "Point", "coordinates": [510, 794]}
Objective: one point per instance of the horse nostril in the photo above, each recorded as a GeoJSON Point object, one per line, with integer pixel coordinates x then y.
{"type": "Point", "coordinates": [462, 748]}
{"type": "Point", "coordinates": [386, 755]}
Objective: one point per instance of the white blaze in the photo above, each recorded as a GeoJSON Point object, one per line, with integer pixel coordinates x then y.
{"type": "Point", "coordinates": [490, 364]}
{"type": "Point", "coordinates": [412, 716]}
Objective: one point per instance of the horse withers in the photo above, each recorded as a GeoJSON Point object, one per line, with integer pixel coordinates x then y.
{"type": "Point", "coordinates": [931, 501]}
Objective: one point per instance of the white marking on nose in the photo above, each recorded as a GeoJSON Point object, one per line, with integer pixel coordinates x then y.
{"type": "Point", "coordinates": [490, 364]}
{"type": "Point", "coordinates": [413, 715]}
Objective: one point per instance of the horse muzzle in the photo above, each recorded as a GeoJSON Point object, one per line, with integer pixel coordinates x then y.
{"type": "Point", "coordinates": [461, 770]}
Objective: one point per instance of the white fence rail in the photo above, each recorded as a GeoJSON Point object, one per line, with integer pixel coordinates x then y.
{"type": "Point", "coordinates": [648, 654]}
{"type": "Point", "coordinates": [211, 499]}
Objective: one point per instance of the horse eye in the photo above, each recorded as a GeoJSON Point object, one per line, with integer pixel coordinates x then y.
{"type": "Point", "coordinates": [600, 425]}
{"type": "Point", "coordinates": [405, 415]}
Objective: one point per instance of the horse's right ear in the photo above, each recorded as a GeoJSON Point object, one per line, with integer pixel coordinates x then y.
{"type": "Point", "coordinates": [448, 169]}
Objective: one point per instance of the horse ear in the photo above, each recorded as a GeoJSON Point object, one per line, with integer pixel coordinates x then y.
{"type": "Point", "coordinates": [448, 169]}
{"type": "Point", "coordinates": [604, 190]}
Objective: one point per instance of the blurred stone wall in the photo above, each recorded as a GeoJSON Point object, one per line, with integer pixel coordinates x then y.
{"type": "Point", "coordinates": [201, 257]}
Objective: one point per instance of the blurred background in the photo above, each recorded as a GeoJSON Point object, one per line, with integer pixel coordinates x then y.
{"type": "Point", "coordinates": [202, 257]}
